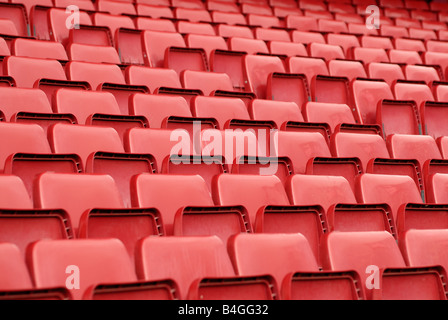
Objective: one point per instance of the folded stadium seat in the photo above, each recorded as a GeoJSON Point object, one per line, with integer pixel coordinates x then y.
{"type": "Point", "coordinates": [300, 147]}
{"type": "Point", "coordinates": [54, 28]}
{"type": "Point", "coordinates": [229, 18]}
{"type": "Point", "coordinates": [26, 71]}
{"type": "Point", "coordinates": [289, 87]}
{"type": "Point", "coordinates": [310, 67]}
{"type": "Point", "coordinates": [312, 5]}
{"type": "Point", "coordinates": [360, 250]}
{"type": "Point", "coordinates": [436, 188]}
{"type": "Point", "coordinates": [257, 70]}
{"type": "Point", "coordinates": [416, 4]}
{"type": "Point", "coordinates": [402, 117]}
{"type": "Point", "coordinates": [86, 5]}
{"type": "Point", "coordinates": [178, 57]}
{"type": "Point", "coordinates": [332, 26]}
{"type": "Point", "coordinates": [283, 3]}
{"type": "Point", "coordinates": [389, 72]}
{"type": "Point", "coordinates": [332, 113]}
{"type": "Point", "coordinates": [14, 19]}
{"type": "Point", "coordinates": [193, 15]}
{"type": "Point", "coordinates": [292, 263]}
{"type": "Point", "coordinates": [278, 111]}
{"type": "Point", "coordinates": [349, 18]}
{"type": "Point", "coordinates": [267, 34]}
{"type": "Point", "coordinates": [180, 215]}
{"type": "Point", "coordinates": [318, 14]}
{"type": "Point", "coordinates": [95, 73]}
{"type": "Point", "coordinates": [116, 7]}
{"type": "Point", "coordinates": [289, 49]}
{"type": "Point", "coordinates": [434, 25]}
{"type": "Point", "coordinates": [346, 41]}
{"type": "Point", "coordinates": [436, 58]}
{"type": "Point", "coordinates": [202, 269]}
{"type": "Point", "coordinates": [222, 6]}
{"type": "Point", "coordinates": [331, 90]}
{"type": "Point", "coordinates": [154, 11]}
{"type": "Point", "coordinates": [423, 147]}
{"type": "Point", "coordinates": [113, 22]}
{"type": "Point", "coordinates": [409, 44]}
{"type": "Point", "coordinates": [16, 282]}
{"type": "Point", "coordinates": [153, 78]}
{"type": "Point", "coordinates": [92, 53]}
{"type": "Point", "coordinates": [22, 47]}
{"type": "Point", "coordinates": [301, 23]}
{"type": "Point", "coordinates": [424, 15]}
{"type": "Point", "coordinates": [263, 21]}
{"type": "Point", "coordinates": [363, 146]}
{"type": "Point", "coordinates": [413, 90]}
{"type": "Point", "coordinates": [425, 73]}
{"type": "Point", "coordinates": [188, 4]}
{"type": "Point", "coordinates": [368, 55]}
{"type": "Point", "coordinates": [395, 12]}
{"type": "Point", "coordinates": [394, 31]}
{"type": "Point", "coordinates": [227, 31]}
{"type": "Point", "coordinates": [341, 7]}
{"type": "Point", "coordinates": [404, 57]}
{"type": "Point", "coordinates": [422, 34]}
{"type": "Point", "coordinates": [424, 248]}
{"type": "Point", "coordinates": [250, 46]}
{"type": "Point", "coordinates": [436, 46]}
{"type": "Point", "coordinates": [395, 190]}
{"type": "Point", "coordinates": [162, 24]}
{"type": "Point", "coordinates": [307, 37]}
{"type": "Point", "coordinates": [376, 42]}
{"type": "Point", "coordinates": [208, 43]}
{"type": "Point", "coordinates": [326, 51]}
{"type": "Point", "coordinates": [367, 94]}
{"type": "Point", "coordinates": [4, 49]}
{"type": "Point", "coordinates": [407, 23]}
{"type": "Point", "coordinates": [345, 68]}
{"type": "Point", "coordinates": [360, 28]}
{"type": "Point", "coordinates": [251, 8]}
{"type": "Point", "coordinates": [97, 262]}
{"type": "Point", "coordinates": [207, 82]}
{"type": "Point", "coordinates": [186, 27]}
{"type": "Point", "coordinates": [440, 91]}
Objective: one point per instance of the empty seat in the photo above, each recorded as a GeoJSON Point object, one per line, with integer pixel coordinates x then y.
{"type": "Point", "coordinates": [84, 140]}
{"type": "Point", "coordinates": [153, 78]}
{"type": "Point", "coordinates": [368, 55]}
{"type": "Point", "coordinates": [395, 190]}
{"type": "Point", "coordinates": [407, 23]}
{"type": "Point", "coordinates": [301, 23]}
{"type": "Point", "coordinates": [389, 72]}
{"type": "Point", "coordinates": [113, 22]}
{"type": "Point", "coordinates": [193, 15]}
{"type": "Point", "coordinates": [332, 113]}
{"type": "Point", "coordinates": [436, 187]}
{"type": "Point", "coordinates": [409, 44]}
{"type": "Point", "coordinates": [394, 31]}
{"type": "Point", "coordinates": [229, 18]}
{"type": "Point", "coordinates": [90, 53]}
{"type": "Point", "coordinates": [326, 51]}
{"type": "Point", "coordinates": [207, 82]}
{"type": "Point", "coordinates": [249, 8]}
{"type": "Point", "coordinates": [26, 71]}
{"type": "Point", "coordinates": [398, 117]}
{"type": "Point", "coordinates": [346, 41]}
{"type": "Point", "coordinates": [7, 27]}
{"type": "Point", "coordinates": [155, 24]}
{"type": "Point", "coordinates": [156, 44]}
{"type": "Point", "coordinates": [403, 56]}
{"type": "Point", "coordinates": [15, 275]}
{"type": "Point", "coordinates": [208, 43]}
{"type": "Point", "coordinates": [300, 147]}
{"type": "Point", "coordinates": [116, 7]}
{"type": "Point", "coordinates": [381, 250]}
{"type": "Point", "coordinates": [367, 94]}
{"type": "Point", "coordinates": [363, 146]}
{"type": "Point", "coordinates": [425, 73]}
{"type": "Point", "coordinates": [307, 37]}
{"type": "Point", "coordinates": [188, 4]}
{"type": "Point", "coordinates": [308, 66]}
{"type": "Point", "coordinates": [332, 26]}
{"type": "Point", "coordinates": [186, 27]}
{"type": "Point", "coordinates": [88, 262]}
{"type": "Point", "coordinates": [361, 28]}
{"type": "Point", "coordinates": [267, 34]}
{"type": "Point", "coordinates": [287, 48]}
{"type": "Point", "coordinates": [95, 73]}
{"type": "Point", "coordinates": [349, 69]}
{"type": "Point", "coordinates": [278, 111]}
{"type": "Point", "coordinates": [250, 46]}
{"type": "Point", "coordinates": [153, 10]}
{"type": "Point", "coordinates": [257, 80]}
{"type": "Point", "coordinates": [419, 92]}
{"type": "Point", "coordinates": [433, 115]}
{"type": "Point", "coordinates": [55, 28]}
{"type": "Point", "coordinates": [422, 34]}
{"type": "Point", "coordinates": [228, 31]}
{"type": "Point", "coordinates": [38, 49]}
{"type": "Point", "coordinates": [263, 21]}
{"type": "Point", "coordinates": [376, 42]}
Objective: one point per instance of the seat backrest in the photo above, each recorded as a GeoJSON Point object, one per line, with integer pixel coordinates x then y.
{"type": "Point", "coordinates": [425, 73]}
{"type": "Point", "coordinates": [273, 254]}
{"type": "Point", "coordinates": [376, 42]}
{"type": "Point", "coordinates": [88, 262]}
{"type": "Point", "coordinates": [169, 193]}
{"type": "Point", "coordinates": [153, 78]}
{"type": "Point", "coordinates": [15, 273]}
{"type": "Point", "coordinates": [349, 69]}
{"type": "Point", "coordinates": [83, 140]}
{"type": "Point", "coordinates": [300, 147]}
{"type": "Point", "coordinates": [183, 259]}
{"type": "Point", "coordinates": [156, 43]}
{"type": "Point", "coordinates": [389, 72]}
{"type": "Point", "coordinates": [394, 190]}
{"type": "Point", "coordinates": [113, 22]}
{"type": "Point", "coordinates": [155, 24]}
{"type": "Point", "coordinates": [319, 190]}
{"type": "Point", "coordinates": [21, 138]}
{"type": "Point", "coordinates": [83, 104]}
{"type": "Point", "coordinates": [156, 108]}
{"type": "Point", "coordinates": [206, 42]}
{"type": "Point", "coordinates": [14, 100]}
{"type": "Point", "coordinates": [278, 111]}
{"type": "Point", "coordinates": [57, 18]}
{"type": "Point", "coordinates": [326, 51]}
{"type": "Point", "coordinates": [228, 190]}
{"type": "Point", "coordinates": [95, 73]}
{"type": "Point", "coordinates": [207, 82]}
{"type": "Point", "coordinates": [404, 56]}
{"type": "Point", "coordinates": [250, 46]}
{"type": "Point", "coordinates": [368, 55]}
{"type": "Point", "coordinates": [257, 70]}
{"type": "Point", "coordinates": [367, 94]}
{"type": "Point", "coordinates": [363, 146]}
{"type": "Point", "coordinates": [187, 27]}
{"type": "Point", "coordinates": [41, 49]}
{"type": "Point", "coordinates": [306, 37]}
{"type": "Point", "coordinates": [308, 66]}
{"type": "Point", "coordinates": [26, 71]}
{"type": "Point", "coordinates": [93, 53]}
{"type": "Point", "coordinates": [290, 49]}
{"type": "Point", "coordinates": [193, 15]}
{"type": "Point", "coordinates": [268, 34]}
{"type": "Point", "coordinates": [331, 113]}
{"type": "Point", "coordinates": [437, 186]}
{"type": "Point", "coordinates": [13, 193]}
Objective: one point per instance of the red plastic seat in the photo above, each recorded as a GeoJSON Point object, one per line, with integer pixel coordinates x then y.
{"type": "Point", "coordinates": [208, 43]}
{"type": "Point", "coordinates": [257, 69]}
{"type": "Point", "coordinates": [289, 49]}
{"type": "Point", "coordinates": [278, 111]}
{"type": "Point", "coordinates": [307, 37]}
{"type": "Point", "coordinates": [156, 44]}
{"type": "Point", "coordinates": [207, 82]}
{"type": "Point", "coordinates": [367, 94]}
{"type": "Point", "coordinates": [188, 4]}
{"type": "Point", "coordinates": [301, 23]}
{"type": "Point", "coordinates": [250, 46]}
{"type": "Point", "coordinates": [54, 27]}
{"type": "Point", "coordinates": [376, 42]}
{"type": "Point", "coordinates": [267, 34]}
{"type": "Point", "coordinates": [425, 73]}
{"type": "Point", "coordinates": [22, 47]}
{"type": "Point", "coordinates": [389, 72]}
{"type": "Point", "coordinates": [227, 31]}
{"type": "Point", "coordinates": [405, 57]}
{"type": "Point", "coordinates": [346, 41]}
{"type": "Point", "coordinates": [193, 15]}
{"type": "Point", "coordinates": [300, 147]}
{"type": "Point", "coordinates": [407, 23]}
{"type": "Point", "coordinates": [332, 113]}
{"type": "Point", "coordinates": [153, 78]}
{"type": "Point", "coordinates": [249, 8]}
{"type": "Point", "coordinates": [432, 115]}
{"type": "Point", "coordinates": [263, 21]}
{"type": "Point", "coordinates": [222, 6]}
{"type": "Point", "coordinates": [368, 55]}
{"type": "Point", "coordinates": [409, 44]}
{"type": "Point", "coordinates": [326, 51]}
{"type": "Point", "coordinates": [395, 190]}
{"type": "Point", "coordinates": [363, 146]}
{"type": "Point", "coordinates": [359, 250]}
{"type": "Point", "coordinates": [308, 66]}
{"type": "Point", "coordinates": [419, 92]}
{"type": "Point", "coordinates": [116, 7]}
{"type": "Point", "coordinates": [95, 73]}
{"type": "Point", "coordinates": [332, 26]}
{"type": "Point", "coordinates": [142, 23]}
{"type": "Point", "coordinates": [15, 275]}
{"type": "Point", "coordinates": [422, 34]}
{"type": "Point", "coordinates": [436, 188]}
{"type": "Point", "coordinates": [13, 19]}
{"type": "Point", "coordinates": [26, 71]}
{"type": "Point", "coordinates": [349, 69]}
{"type": "Point", "coordinates": [360, 28]}
{"type": "Point", "coordinates": [394, 31]}
{"type": "Point", "coordinates": [186, 27]}
{"type": "Point", "coordinates": [229, 17]}
{"type": "Point", "coordinates": [90, 53]}
{"type": "Point", "coordinates": [154, 11]}
{"type": "Point", "coordinates": [113, 22]}
{"type": "Point", "coordinates": [398, 117]}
